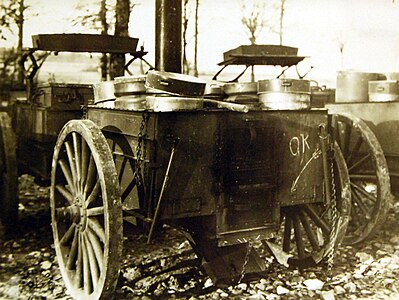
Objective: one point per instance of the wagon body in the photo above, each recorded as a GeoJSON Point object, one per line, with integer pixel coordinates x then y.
{"type": "Point", "coordinates": [238, 169]}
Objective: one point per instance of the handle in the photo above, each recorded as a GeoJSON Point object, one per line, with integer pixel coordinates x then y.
{"type": "Point", "coordinates": [380, 89]}
{"type": "Point", "coordinates": [231, 106]}
{"type": "Point", "coordinates": [286, 83]}
{"type": "Point", "coordinates": [165, 83]}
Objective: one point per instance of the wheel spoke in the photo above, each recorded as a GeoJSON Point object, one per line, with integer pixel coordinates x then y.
{"type": "Point", "coordinates": [65, 193]}
{"type": "Point", "coordinates": [337, 132]}
{"type": "Point", "coordinates": [316, 219]}
{"type": "Point", "coordinates": [97, 228]}
{"type": "Point", "coordinates": [77, 155]}
{"type": "Point", "coordinates": [129, 188]}
{"type": "Point", "coordinates": [74, 251]}
{"type": "Point", "coordinates": [359, 162]}
{"type": "Point", "coordinates": [91, 176]}
{"type": "Point", "coordinates": [363, 192]}
{"type": "Point", "coordinates": [96, 247]}
{"type": "Point", "coordinates": [298, 237]}
{"type": "Point", "coordinates": [368, 177]}
{"type": "Point", "coordinates": [79, 264]}
{"type": "Point", "coordinates": [287, 233]}
{"type": "Point", "coordinates": [68, 235]}
{"type": "Point", "coordinates": [347, 135]}
{"type": "Point", "coordinates": [309, 232]}
{"type": "Point", "coordinates": [86, 269]}
{"type": "Point", "coordinates": [85, 161]}
{"type": "Point", "coordinates": [122, 169]}
{"type": "Point", "coordinates": [96, 211]}
{"type": "Point", "coordinates": [92, 263]}
{"type": "Point", "coordinates": [359, 203]}
{"type": "Point", "coordinates": [94, 194]}
{"type": "Point", "coordinates": [355, 150]}
{"type": "Point", "coordinates": [72, 163]}
{"type": "Point", "coordinates": [67, 175]}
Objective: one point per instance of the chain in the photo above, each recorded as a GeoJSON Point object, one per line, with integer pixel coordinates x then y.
{"type": "Point", "coordinates": [140, 148]}
{"type": "Point", "coordinates": [246, 260]}
{"type": "Point", "coordinates": [331, 207]}
{"type": "Point", "coordinates": [334, 212]}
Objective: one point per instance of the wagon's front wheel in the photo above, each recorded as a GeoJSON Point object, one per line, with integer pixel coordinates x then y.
{"type": "Point", "coordinates": [86, 211]}
{"type": "Point", "coordinates": [369, 177]}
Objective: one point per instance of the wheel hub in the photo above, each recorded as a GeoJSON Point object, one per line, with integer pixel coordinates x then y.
{"type": "Point", "coordinates": [81, 212]}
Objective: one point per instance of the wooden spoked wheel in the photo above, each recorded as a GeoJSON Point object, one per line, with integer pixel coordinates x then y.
{"type": "Point", "coordinates": [309, 232]}
{"type": "Point", "coordinates": [8, 174]}
{"type": "Point", "coordinates": [129, 178]}
{"type": "Point", "coordinates": [86, 211]}
{"type": "Point", "coordinates": [369, 177]}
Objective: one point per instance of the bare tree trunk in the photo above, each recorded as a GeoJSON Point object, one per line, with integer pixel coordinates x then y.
{"type": "Point", "coordinates": [20, 24]}
{"type": "Point", "coordinates": [186, 68]}
{"type": "Point", "coordinates": [122, 15]}
{"type": "Point", "coordinates": [281, 21]}
{"type": "Point", "coordinates": [104, 30]}
{"type": "Point", "coordinates": [196, 39]}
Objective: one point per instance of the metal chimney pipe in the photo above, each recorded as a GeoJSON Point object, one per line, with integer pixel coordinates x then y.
{"type": "Point", "coordinates": [168, 32]}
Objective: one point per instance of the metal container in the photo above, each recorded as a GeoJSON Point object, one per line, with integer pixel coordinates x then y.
{"type": "Point", "coordinates": [164, 104]}
{"type": "Point", "coordinates": [131, 102]}
{"type": "Point", "coordinates": [129, 85]}
{"type": "Point", "coordinates": [242, 93]}
{"type": "Point", "coordinates": [214, 90]}
{"type": "Point", "coordinates": [383, 90]}
{"type": "Point", "coordinates": [239, 88]}
{"type": "Point", "coordinates": [284, 94]}
{"type": "Point", "coordinates": [352, 86]}
{"type": "Point", "coordinates": [175, 84]}
{"type": "Point", "coordinates": [104, 94]}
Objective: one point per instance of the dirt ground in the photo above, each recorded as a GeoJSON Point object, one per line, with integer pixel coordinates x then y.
{"type": "Point", "coordinates": [168, 269]}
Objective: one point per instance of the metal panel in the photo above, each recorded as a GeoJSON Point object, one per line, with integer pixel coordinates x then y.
{"type": "Point", "coordinates": [75, 42]}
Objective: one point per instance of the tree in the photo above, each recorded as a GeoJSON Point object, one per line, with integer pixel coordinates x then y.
{"type": "Point", "coordinates": [12, 18]}
{"type": "Point", "coordinates": [281, 20]}
{"type": "Point", "coordinates": [109, 16]}
{"type": "Point", "coordinates": [122, 17]}
{"type": "Point", "coordinates": [185, 28]}
{"type": "Point", "coordinates": [257, 17]}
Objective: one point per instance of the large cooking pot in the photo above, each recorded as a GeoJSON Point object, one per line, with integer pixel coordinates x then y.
{"type": "Point", "coordinates": [383, 90]}
{"type": "Point", "coordinates": [129, 85]}
{"type": "Point", "coordinates": [175, 84]}
{"type": "Point", "coordinates": [352, 86]}
{"type": "Point", "coordinates": [164, 104]}
{"type": "Point", "coordinates": [240, 88]}
{"type": "Point", "coordinates": [242, 93]}
{"type": "Point", "coordinates": [104, 94]}
{"type": "Point", "coordinates": [290, 94]}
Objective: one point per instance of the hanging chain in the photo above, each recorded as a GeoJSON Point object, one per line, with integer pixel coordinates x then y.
{"type": "Point", "coordinates": [140, 149]}
{"type": "Point", "coordinates": [330, 207]}
{"type": "Point", "coordinates": [334, 211]}
{"type": "Point", "coordinates": [246, 260]}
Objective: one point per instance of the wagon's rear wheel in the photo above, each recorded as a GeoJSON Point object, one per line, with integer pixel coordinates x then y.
{"type": "Point", "coordinates": [369, 177]}
{"type": "Point", "coordinates": [8, 174]}
{"type": "Point", "coordinates": [309, 232]}
{"type": "Point", "coordinates": [86, 211]}
{"type": "Point", "coordinates": [129, 177]}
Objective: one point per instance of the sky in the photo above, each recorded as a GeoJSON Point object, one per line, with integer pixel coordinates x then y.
{"type": "Point", "coordinates": [369, 30]}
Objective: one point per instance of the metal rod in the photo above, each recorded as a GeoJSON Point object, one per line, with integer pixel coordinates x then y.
{"type": "Point", "coordinates": [165, 183]}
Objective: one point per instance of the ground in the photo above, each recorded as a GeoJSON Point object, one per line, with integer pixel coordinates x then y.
{"type": "Point", "coordinates": [168, 269]}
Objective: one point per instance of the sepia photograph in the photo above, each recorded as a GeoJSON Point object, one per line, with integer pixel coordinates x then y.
{"type": "Point", "coordinates": [199, 149]}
